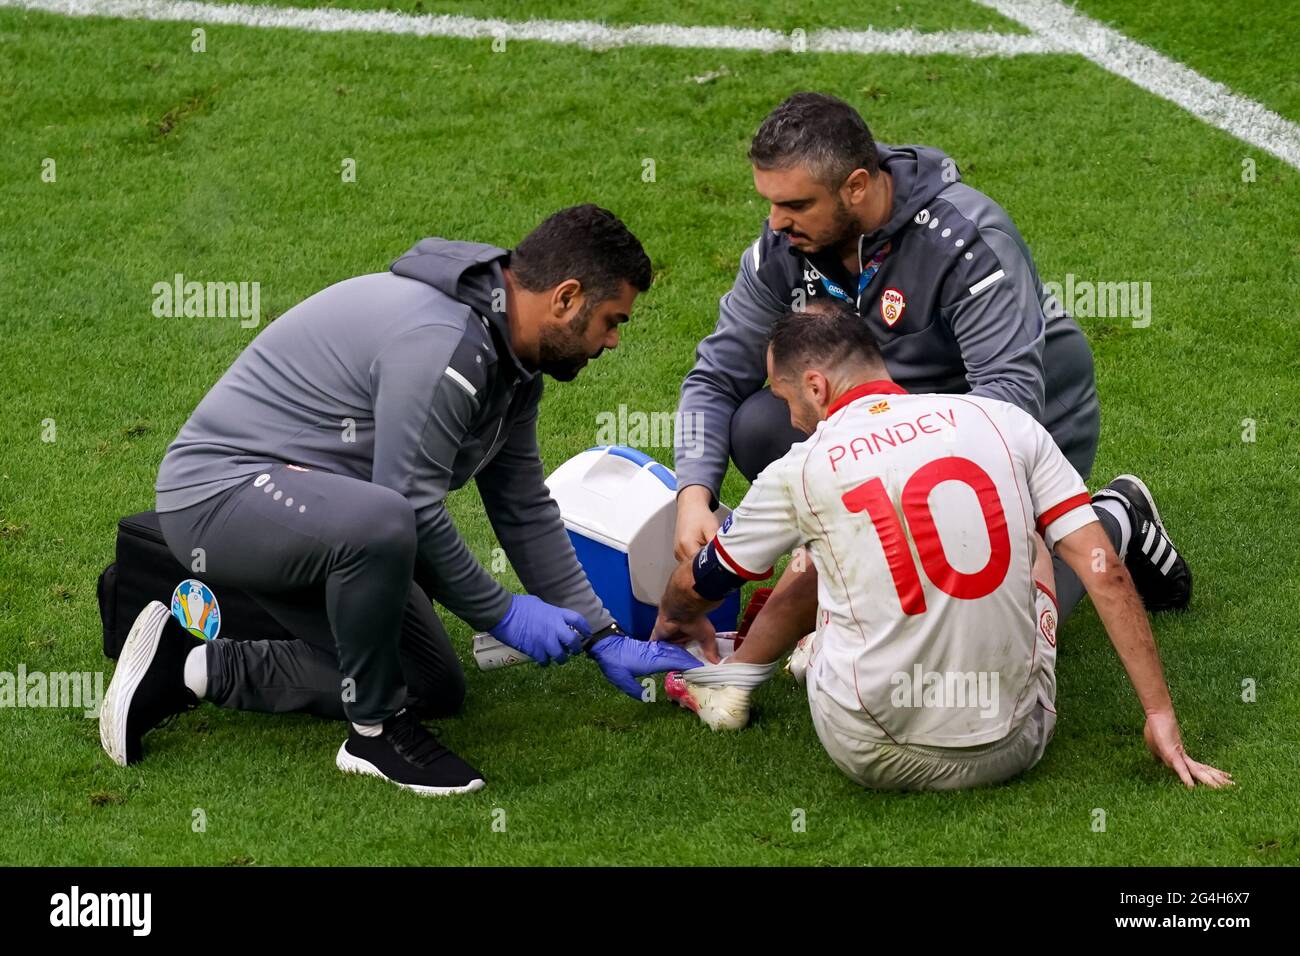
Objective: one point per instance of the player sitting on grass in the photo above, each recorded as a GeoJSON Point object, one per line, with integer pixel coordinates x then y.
{"type": "Point", "coordinates": [933, 663]}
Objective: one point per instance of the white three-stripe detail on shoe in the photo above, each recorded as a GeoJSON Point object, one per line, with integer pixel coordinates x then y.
{"type": "Point", "coordinates": [1151, 534]}
{"type": "Point", "coordinates": [1161, 544]}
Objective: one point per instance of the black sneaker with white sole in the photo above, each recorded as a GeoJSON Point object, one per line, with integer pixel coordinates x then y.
{"type": "Point", "coordinates": [148, 686]}
{"type": "Point", "coordinates": [407, 754]}
{"type": "Point", "coordinates": [1159, 572]}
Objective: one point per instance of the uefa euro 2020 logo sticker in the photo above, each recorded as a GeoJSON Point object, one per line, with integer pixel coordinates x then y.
{"type": "Point", "coordinates": [195, 606]}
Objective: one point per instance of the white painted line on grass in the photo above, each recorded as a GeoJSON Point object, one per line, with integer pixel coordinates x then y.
{"type": "Point", "coordinates": [585, 33]}
{"type": "Point", "coordinates": [1056, 28]}
{"type": "Point", "coordinates": [1154, 72]}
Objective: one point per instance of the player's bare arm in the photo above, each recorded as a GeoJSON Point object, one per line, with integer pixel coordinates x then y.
{"type": "Point", "coordinates": [1089, 554]}
{"type": "Point", "coordinates": [789, 614]}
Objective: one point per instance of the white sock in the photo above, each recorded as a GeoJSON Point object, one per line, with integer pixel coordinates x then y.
{"type": "Point", "coordinates": [196, 671]}
{"type": "Point", "coordinates": [1120, 514]}
{"type": "Point", "coordinates": [369, 730]}
{"type": "Point", "coordinates": [747, 676]}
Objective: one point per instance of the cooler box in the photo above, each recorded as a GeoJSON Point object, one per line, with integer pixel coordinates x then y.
{"type": "Point", "coordinates": [620, 506]}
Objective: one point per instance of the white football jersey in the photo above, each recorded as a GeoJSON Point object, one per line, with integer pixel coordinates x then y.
{"type": "Point", "coordinates": [919, 512]}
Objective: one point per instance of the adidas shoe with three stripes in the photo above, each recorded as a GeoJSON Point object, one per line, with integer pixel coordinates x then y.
{"type": "Point", "coordinates": [1159, 572]}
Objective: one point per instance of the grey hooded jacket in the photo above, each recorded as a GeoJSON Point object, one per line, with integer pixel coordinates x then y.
{"type": "Point", "coordinates": [956, 306]}
{"type": "Point", "coordinates": [406, 379]}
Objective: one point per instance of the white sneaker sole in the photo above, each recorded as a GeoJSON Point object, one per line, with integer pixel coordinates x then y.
{"type": "Point", "coordinates": [137, 654]}
{"type": "Point", "coordinates": [350, 763]}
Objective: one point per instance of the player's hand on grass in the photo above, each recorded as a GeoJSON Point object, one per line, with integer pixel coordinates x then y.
{"type": "Point", "coordinates": [1166, 744]}
{"type": "Point", "coordinates": [698, 629]}
{"type": "Point", "coordinates": [542, 631]}
{"type": "Point", "coordinates": [624, 659]}
{"type": "Point", "coordinates": [696, 524]}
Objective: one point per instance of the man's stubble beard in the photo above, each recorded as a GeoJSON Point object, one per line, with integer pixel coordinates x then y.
{"type": "Point", "coordinates": [561, 353]}
{"type": "Point", "coordinates": [807, 415]}
{"type": "Point", "coordinates": [846, 228]}
{"type": "Point", "coordinates": [843, 232]}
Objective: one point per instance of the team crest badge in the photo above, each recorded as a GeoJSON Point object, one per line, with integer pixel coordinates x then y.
{"type": "Point", "coordinates": [892, 305]}
{"type": "Point", "coordinates": [1047, 624]}
{"type": "Point", "coordinates": [195, 606]}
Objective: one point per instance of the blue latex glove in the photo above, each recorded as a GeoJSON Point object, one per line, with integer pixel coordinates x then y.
{"type": "Point", "coordinates": [542, 631]}
{"type": "Point", "coordinates": [623, 659]}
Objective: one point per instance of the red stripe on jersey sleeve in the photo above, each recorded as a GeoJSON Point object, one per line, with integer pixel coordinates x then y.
{"type": "Point", "coordinates": [1064, 508]}
{"type": "Point", "coordinates": [736, 568]}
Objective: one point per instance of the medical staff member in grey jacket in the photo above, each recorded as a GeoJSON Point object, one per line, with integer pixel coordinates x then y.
{"type": "Point", "coordinates": [314, 475]}
{"type": "Point", "coordinates": [940, 275]}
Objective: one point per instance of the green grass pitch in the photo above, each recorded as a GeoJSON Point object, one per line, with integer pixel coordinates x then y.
{"type": "Point", "coordinates": [225, 166]}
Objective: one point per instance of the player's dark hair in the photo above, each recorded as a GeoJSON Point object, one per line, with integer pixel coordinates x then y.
{"type": "Point", "coordinates": [586, 243]}
{"type": "Point", "coordinates": [820, 132]}
{"type": "Point", "coordinates": [828, 336]}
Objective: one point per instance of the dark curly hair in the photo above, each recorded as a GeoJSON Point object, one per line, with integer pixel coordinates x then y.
{"type": "Point", "coordinates": [586, 243]}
